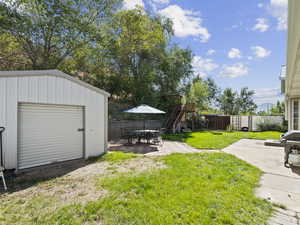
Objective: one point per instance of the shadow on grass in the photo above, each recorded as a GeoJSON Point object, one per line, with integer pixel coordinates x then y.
{"type": "Point", "coordinates": [216, 133]}
{"type": "Point", "coordinates": [182, 137]}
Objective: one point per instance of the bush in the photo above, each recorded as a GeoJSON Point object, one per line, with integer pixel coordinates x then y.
{"type": "Point", "coordinates": [271, 126]}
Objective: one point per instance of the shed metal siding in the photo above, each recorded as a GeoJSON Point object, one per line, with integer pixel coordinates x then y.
{"type": "Point", "coordinates": [47, 89]}
{"type": "Point", "coordinates": [49, 133]}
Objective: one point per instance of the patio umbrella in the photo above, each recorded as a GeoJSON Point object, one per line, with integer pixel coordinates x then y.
{"type": "Point", "coordinates": [144, 109]}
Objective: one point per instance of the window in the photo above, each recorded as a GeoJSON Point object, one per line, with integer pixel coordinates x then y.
{"type": "Point", "coordinates": [296, 115]}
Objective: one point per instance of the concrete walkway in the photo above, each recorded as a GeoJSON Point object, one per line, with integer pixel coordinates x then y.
{"type": "Point", "coordinates": [279, 185]}
{"type": "Point", "coordinates": [170, 147]}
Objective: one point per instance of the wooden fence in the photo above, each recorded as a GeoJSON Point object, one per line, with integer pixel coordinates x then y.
{"type": "Point", "coordinates": [217, 122]}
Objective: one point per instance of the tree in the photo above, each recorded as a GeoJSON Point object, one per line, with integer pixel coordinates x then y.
{"type": "Point", "coordinates": [49, 31]}
{"type": "Point", "coordinates": [174, 68]}
{"type": "Point", "coordinates": [129, 53]}
{"type": "Point", "coordinates": [198, 94]}
{"type": "Point", "coordinates": [279, 109]}
{"type": "Point", "coordinates": [232, 103]}
{"type": "Point", "coordinates": [12, 56]}
{"type": "Point", "coordinates": [228, 102]}
{"type": "Point", "coordinates": [126, 52]}
{"type": "Point", "coordinates": [213, 92]}
{"type": "Point", "coordinates": [135, 61]}
{"type": "Point", "coordinates": [245, 101]}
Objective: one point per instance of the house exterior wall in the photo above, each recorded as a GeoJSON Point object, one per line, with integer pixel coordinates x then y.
{"type": "Point", "coordinates": [292, 80]}
{"type": "Point", "coordinates": [46, 89]}
{"type": "Point", "coordinates": [292, 114]}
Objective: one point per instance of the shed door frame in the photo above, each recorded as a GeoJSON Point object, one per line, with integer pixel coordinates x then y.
{"type": "Point", "coordinates": [35, 103]}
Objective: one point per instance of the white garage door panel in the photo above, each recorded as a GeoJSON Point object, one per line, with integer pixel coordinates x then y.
{"type": "Point", "coordinates": [49, 133]}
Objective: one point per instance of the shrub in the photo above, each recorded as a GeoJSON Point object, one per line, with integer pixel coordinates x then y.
{"type": "Point", "coordinates": [268, 125]}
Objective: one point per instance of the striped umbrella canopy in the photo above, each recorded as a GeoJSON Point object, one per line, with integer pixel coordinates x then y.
{"type": "Point", "coordinates": [144, 109]}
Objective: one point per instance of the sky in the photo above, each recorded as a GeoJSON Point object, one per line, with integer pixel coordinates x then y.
{"type": "Point", "coordinates": [239, 43]}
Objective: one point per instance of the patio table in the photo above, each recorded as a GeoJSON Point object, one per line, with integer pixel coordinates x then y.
{"type": "Point", "coordinates": [146, 134]}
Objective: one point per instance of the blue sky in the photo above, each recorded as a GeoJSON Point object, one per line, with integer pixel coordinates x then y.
{"type": "Point", "coordinates": [237, 42]}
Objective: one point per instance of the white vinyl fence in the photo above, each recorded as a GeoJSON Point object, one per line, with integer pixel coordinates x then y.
{"type": "Point", "coordinates": [251, 122]}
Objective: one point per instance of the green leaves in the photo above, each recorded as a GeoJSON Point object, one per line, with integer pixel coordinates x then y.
{"type": "Point", "coordinates": [232, 103]}
{"type": "Point", "coordinates": [198, 94]}
{"type": "Point", "coordinates": [49, 31]}
{"type": "Point", "coordinates": [126, 52]}
{"type": "Point", "coordinates": [143, 66]}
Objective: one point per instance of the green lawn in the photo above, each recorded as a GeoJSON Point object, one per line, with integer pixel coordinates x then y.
{"type": "Point", "coordinates": [200, 189]}
{"type": "Point", "coordinates": [219, 139]}
{"type": "Point", "coordinates": [114, 157]}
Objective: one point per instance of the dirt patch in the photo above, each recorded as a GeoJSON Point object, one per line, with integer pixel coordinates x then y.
{"type": "Point", "coordinates": [78, 186]}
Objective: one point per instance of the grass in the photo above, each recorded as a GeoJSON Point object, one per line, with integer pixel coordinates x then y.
{"type": "Point", "coordinates": [114, 157]}
{"type": "Point", "coordinates": [219, 139]}
{"type": "Point", "coordinates": [202, 189]}
{"type": "Point", "coordinates": [118, 156]}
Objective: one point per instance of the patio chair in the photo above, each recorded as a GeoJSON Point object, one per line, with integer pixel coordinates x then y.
{"type": "Point", "coordinates": [127, 134]}
{"type": "Point", "coordinates": [148, 137]}
{"type": "Point", "coordinates": [157, 137]}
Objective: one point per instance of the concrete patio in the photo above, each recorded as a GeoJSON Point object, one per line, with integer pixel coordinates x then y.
{"type": "Point", "coordinates": [279, 184]}
{"type": "Point", "coordinates": [168, 147]}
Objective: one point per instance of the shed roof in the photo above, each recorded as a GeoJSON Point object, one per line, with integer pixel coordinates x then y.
{"type": "Point", "coordinates": [55, 73]}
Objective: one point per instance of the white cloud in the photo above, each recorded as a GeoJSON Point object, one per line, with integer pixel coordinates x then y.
{"type": "Point", "coordinates": [234, 53]}
{"type": "Point", "coordinates": [156, 4]}
{"type": "Point", "coordinates": [267, 95]}
{"type": "Point", "coordinates": [279, 9]}
{"type": "Point", "coordinates": [132, 4]}
{"type": "Point", "coordinates": [260, 5]}
{"type": "Point", "coordinates": [210, 52]}
{"type": "Point", "coordinates": [161, 1]}
{"type": "Point", "coordinates": [235, 70]}
{"type": "Point", "coordinates": [261, 25]}
{"type": "Point", "coordinates": [203, 66]}
{"type": "Point", "coordinates": [185, 22]}
{"type": "Point", "coordinates": [260, 52]}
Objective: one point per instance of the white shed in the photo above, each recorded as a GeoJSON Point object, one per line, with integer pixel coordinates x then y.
{"type": "Point", "coordinates": [49, 117]}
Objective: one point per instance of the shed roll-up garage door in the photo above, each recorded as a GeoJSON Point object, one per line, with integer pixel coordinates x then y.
{"type": "Point", "coordinates": [49, 133]}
